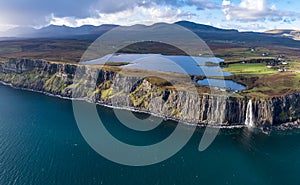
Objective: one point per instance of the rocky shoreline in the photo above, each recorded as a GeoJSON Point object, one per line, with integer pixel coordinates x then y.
{"type": "Point", "coordinates": [128, 109]}
{"type": "Point", "coordinates": [57, 79]}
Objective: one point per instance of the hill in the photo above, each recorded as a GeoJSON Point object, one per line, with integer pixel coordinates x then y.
{"type": "Point", "coordinates": [293, 34]}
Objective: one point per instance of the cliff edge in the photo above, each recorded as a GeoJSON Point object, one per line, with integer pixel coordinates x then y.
{"type": "Point", "coordinates": [142, 95]}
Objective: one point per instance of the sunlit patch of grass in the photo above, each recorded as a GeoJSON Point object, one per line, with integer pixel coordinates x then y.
{"type": "Point", "coordinates": [257, 69]}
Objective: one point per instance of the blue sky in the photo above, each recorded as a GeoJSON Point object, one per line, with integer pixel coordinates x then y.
{"type": "Point", "coordinates": [250, 15]}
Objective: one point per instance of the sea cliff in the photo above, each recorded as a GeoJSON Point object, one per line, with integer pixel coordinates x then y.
{"type": "Point", "coordinates": [126, 91]}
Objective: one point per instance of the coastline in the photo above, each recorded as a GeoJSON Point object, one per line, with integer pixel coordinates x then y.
{"type": "Point", "coordinates": [57, 80]}
{"type": "Point", "coordinates": [282, 127]}
{"type": "Point", "coordinates": [125, 108]}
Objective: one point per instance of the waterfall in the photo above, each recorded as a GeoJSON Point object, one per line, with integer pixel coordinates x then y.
{"type": "Point", "coordinates": [249, 122]}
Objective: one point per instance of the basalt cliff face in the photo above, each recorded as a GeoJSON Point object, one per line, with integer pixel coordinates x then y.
{"type": "Point", "coordinates": [112, 88]}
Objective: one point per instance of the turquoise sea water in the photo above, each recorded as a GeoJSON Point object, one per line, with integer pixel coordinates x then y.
{"type": "Point", "coordinates": [41, 144]}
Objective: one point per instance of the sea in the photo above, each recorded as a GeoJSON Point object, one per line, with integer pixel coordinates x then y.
{"type": "Point", "coordinates": [41, 144]}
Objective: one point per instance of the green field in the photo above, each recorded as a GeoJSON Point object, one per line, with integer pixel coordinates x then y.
{"type": "Point", "coordinates": [274, 85]}
{"type": "Point", "coordinates": [264, 82]}
{"type": "Point", "coordinates": [254, 69]}
{"type": "Point", "coordinates": [9, 49]}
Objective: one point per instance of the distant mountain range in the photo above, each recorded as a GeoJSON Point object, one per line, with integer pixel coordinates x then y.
{"type": "Point", "coordinates": [57, 31]}
{"type": "Point", "coordinates": [65, 31]}
{"type": "Point", "coordinates": [207, 33]}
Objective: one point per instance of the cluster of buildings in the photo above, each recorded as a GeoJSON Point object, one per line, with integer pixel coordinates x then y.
{"type": "Point", "coordinates": [279, 62]}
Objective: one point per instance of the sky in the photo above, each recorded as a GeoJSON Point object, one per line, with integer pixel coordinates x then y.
{"type": "Point", "coordinates": [244, 15]}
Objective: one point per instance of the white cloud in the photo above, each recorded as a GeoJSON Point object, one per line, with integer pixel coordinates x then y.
{"type": "Point", "coordinates": [245, 27]}
{"type": "Point", "coordinates": [273, 7]}
{"type": "Point", "coordinates": [6, 27]}
{"type": "Point", "coordinates": [33, 12]}
{"type": "Point", "coordinates": [253, 10]}
{"type": "Point", "coordinates": [258, 5]}
{"type": "Point", "coordinates": [226, 3]}
{"type": "Point", "coordinates": [138, 15]}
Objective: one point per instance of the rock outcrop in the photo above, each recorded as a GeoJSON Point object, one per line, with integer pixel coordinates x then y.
{"type": "Point", "coordinates": [109, 87]}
